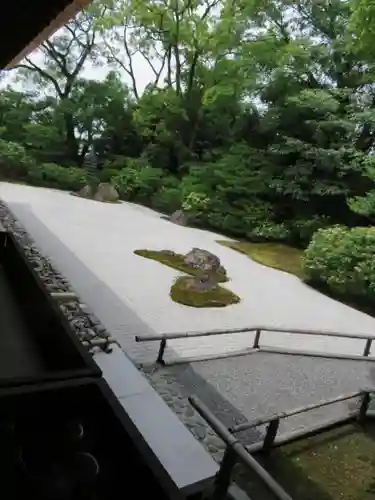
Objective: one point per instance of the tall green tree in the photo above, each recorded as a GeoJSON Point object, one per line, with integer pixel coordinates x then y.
{"type": "Point", "coordinates": [56, 68]}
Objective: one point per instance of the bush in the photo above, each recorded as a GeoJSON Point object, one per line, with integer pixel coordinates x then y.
{"type": "Point", "coordinates": [55, 176]}
{"type": "Point", "coordinates": [138, 181]}
{"type": "Point", "coordinates": [116, 163]}
{"type": "Point", "coordinates": [195, 203]}
{"type": "Point", "coordinates": [168, 198]}
{"type": "Point", "coordinates": [106, 174]}
{"type": "Point", "coordinates": [14, 160]}
{"type": "Point", "coordinates": [344, 260]}
{"type": "Point", "coordinates": [252, 218]}
{"type": "Point", "coordinates": [302, 230]}
{"type": "Point", "coordinates": [269, 231]}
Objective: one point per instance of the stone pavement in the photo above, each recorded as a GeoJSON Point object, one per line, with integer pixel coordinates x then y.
{"type": "Point", "coordinates": [241, 388]}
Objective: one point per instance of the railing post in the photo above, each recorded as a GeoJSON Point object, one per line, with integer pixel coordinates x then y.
{"type": "Point", "coordinates": [163, 345]}
{"type": "Point", "coordinates": [364, 407]}
{"type": "Point", "coordinates": [270, 436]}
{"type": "Point", "coordinates": [257, 339]}
{"type": "Point", "coordinates": [223, 477]}
{"type": "Point", "coordinates": [367, 350]}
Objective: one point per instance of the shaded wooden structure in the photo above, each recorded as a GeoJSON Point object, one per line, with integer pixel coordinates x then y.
{"type": "Point", "coordinates": [27, 25]}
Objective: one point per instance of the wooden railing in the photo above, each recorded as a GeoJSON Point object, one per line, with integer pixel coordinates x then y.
{"type": "Point", "coordinates": [236, 451]}
{"type": "Point", "coordinates": [163, 338]}
{"type": "Point", "coordinates": [273, 421]}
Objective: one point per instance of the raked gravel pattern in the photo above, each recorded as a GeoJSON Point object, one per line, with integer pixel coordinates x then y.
{"type": "Point", "coordinates": [234, 387]}
{"type": "Point", "coordinates": [244, 388]}
{"type": "Point", "coordinates": [88, 327]}
{"type": "Point", "coordinates": [102, 238]}
{"type": "Point", "coordinates": [83, 320]}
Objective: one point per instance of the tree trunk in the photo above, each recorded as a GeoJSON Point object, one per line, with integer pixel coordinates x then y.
{"type": "Point", "coordinates": [71, 141]}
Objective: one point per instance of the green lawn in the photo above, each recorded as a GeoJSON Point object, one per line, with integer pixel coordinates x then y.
{"type": "Point", "coordinates": [276, 255]}
{"type": "Point", "coordinates": [289, 259]}
{"type": "Point", "coordinates": [336, 465]}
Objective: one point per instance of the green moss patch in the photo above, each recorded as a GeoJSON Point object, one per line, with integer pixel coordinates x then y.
{"type": "Point", "coordinates": [176, 261]}
{"type": "Point", "coordinates": [335, 465]}
{"type": "Point", "coordinates": [219, 296]}
{"type": "Point", "coordinates": [275, 255]}
{"type": "Point", "coordinates": [289, 259]}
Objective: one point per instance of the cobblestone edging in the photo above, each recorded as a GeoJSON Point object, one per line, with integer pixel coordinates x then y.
{"type": "Point", "coordinates": [84, 322]}
{"type": "Point", "coordinates": [176, 397]}
{"type": "Point", "coordinates": [88, 327]}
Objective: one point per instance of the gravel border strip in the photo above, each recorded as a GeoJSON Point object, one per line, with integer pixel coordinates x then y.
{"type": "Point", "coordinates": [82, 319]}
{"type": "Point", "coordinates": [176, 397]}
{"type": "Point", "coordinates": [88, 327]}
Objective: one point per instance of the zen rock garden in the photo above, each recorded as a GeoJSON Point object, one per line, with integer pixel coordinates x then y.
{"type": "Point", "coordinates": [199, 286]}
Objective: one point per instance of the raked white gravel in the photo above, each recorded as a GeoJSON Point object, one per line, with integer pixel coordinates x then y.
{"type": "Point", "coordinates": [104, 237]}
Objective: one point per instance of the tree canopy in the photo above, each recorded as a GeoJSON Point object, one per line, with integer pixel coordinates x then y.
{"type": "Point", "coordinates": [262, 110]}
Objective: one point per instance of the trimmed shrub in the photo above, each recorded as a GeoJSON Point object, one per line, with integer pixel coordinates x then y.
{"type": "Point", "coordinates": [106, 174]}
{"type": "Point", "coordinates": [116, 163]}
{"type": "Point", "coordinates": [343, 259]}
{"type": "Point", "coordinates": [14, 160]}
{"type": "Point", "coordinates": [269, 231]}
{"type": "Point", "coordinates": [138, 181]}
{"type": "Point", "coordinates": [55, 176]}
{"type": "Point", "coordinates": [195, 203]}
{"type": "Point", "coordinates": [168, 198]}
{"type": "Point", "coordinates": [302, 230]}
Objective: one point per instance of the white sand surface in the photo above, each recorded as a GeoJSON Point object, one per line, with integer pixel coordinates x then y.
{"type": "Point", "coordinates": [103, 238]}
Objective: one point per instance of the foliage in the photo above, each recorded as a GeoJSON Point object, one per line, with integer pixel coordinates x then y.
{"type": "Point", "coordinates": [14, 160]}
{"type": "Point", "coordinates": [275, 255]}
{"type": "Point", "coordinates": [137, 181]}
{"type": "Point", "coordinates": [195, 203]}
{"type": "Point", "coordinates": [337, 464]}
{"type": "Point", "coordinates": [362, 26]}
{"type": "Point", "coordinates": [258, 117]}
{"type": "Point", "coordinates": [56, 176]}
{"type": "Point", "coordinates": [168, 198]}
{"type": "Point", "coordinates": [365, 204]}
{"type": "Point", "coordinates": [216, 297]}
{"type": "Point", "coordinates": [107, 174]}
{"type": "Point", "coordinates": [176, 261]}
{"type": "Point", "coordinates": [301, 230]}
{"type": "Point", "coordinates": [344, 260]}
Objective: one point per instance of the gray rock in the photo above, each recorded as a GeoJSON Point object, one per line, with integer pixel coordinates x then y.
{"type": "Point", "coordinates": [201, 259]}
{"type": "Point", "coordinates": [207, 265]}
{"type": "Point", "coordinates": [86, 192]}
{"type": "Point", "coordinates": [81, 322]}
{"type": "Point", "coordinates": [94, 320]}
{"type": "Point", "coordinates": [189, 412]}
{"type": "Point", "coordinates": [106, 192]}
{"type": "Point", "coordinates": [90, 333]}
{"type": "Point", "coordinates": [200, 431]}
{"type": "Point", "coordinates": [179, 217]}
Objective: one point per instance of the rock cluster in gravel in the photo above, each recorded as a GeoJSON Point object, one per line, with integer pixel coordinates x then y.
{"type": "Point", "coordinates": [176, 397]}
{"type": "Point", "coordinates": [84, 322]}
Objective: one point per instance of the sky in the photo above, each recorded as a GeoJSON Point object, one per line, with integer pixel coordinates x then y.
{"type": "Point", "coordinates": [142, 70]}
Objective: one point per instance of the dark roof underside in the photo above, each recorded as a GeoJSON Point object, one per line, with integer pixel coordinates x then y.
{"type": "Point", "coordinates": [23, 22]}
